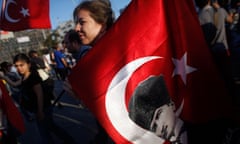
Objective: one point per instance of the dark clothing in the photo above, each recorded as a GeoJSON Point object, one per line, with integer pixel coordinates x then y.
{"type": "Point", "coordinates": [62, 72]}
{"type": "Point", "coordinates": [81, 53]}
{"type": "Point", "coordinates": [48, 88]}
{"type": "Point", "coordinates": [28, 96]}
{"type": "Point", "coordinates": [37, 63]}
{"type": "Point", "coordinates": [30, 108]}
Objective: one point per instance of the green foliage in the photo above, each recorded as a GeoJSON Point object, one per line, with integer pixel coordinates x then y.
{"type": "Point", "coordinates": [52, 40]}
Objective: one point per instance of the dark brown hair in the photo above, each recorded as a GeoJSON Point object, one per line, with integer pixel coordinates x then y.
{"type": "Point", "coordinates": [100, 11]}
{"type": "Point", "coordinates": [73, 36]}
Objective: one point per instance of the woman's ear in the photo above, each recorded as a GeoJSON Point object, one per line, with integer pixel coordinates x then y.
{"type": "Point", "coordinates": [104, 28]}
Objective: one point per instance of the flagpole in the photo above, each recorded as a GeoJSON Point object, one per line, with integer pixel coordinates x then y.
{"type": "Point", "coordinates": [3, 4]}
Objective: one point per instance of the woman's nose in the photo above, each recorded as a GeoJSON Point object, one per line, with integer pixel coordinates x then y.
{"type": "Point", "coordinates": [77, 27]}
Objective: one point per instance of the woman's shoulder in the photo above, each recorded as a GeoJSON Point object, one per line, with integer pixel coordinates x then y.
{"type": "Point", "coordinates": [34, 78]}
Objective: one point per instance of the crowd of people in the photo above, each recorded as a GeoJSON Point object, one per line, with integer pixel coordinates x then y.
{"type": "Point", "coordinates": [29, 77]}
{"type": "Point", "coordinates": [219, 20]}
{"type": "Point", "coordinates": [220, 23]}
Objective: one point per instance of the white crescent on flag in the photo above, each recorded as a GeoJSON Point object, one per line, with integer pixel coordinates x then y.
{"type": "Point", "coordinates": [116, 108]}
{"type": "Point", "coordinates": [6, 12]}
{"type": "Point", "coordinates": [18, 15]}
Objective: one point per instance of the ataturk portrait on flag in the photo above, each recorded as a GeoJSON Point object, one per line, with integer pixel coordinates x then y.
{"type": "Point", "coordinates": [151, 108]}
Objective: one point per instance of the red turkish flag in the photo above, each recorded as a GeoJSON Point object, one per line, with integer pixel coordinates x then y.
{"type": "Point", "coordinates": [9, 108]}
{"type": "Point", "coordinates": [24, 14]}
{"type": "Point", "coordinates": [151, 38]}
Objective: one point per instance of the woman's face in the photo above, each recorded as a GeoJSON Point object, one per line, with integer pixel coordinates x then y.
{"type": "Point", "coordinates": [87, 28]}
{"type": "Point", "coordinates": [22, 67]}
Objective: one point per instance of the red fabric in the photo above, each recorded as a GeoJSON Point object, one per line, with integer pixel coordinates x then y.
{"type": "Point", "coordinates": [3, 32]}
{"type": "Point", "coordinates": [25, 14]}
{"type": "Point", "coordinates": [10, 109]}
{"type": "Point", "coordinates": [165, 28]}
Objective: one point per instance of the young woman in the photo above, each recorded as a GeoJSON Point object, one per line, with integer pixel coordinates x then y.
{"type": "Point", "coordinates": [93, 19]}
{"type": "Point", "coordinates": [31, 93]}
{"type": "Point", "coordinates": [34, 102]}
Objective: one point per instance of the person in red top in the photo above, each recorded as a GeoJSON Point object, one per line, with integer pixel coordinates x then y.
{"type": "Point", "coordinates": [93, 19]}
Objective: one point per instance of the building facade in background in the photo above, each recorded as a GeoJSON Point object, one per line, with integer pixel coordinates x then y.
{"type": "Point", "coordinates": [63, 28]}
{"type": "Point", "coordinates": [12, 43]}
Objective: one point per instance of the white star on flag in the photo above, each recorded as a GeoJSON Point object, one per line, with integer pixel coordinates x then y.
{"type": "Point", "coordinates": [25, 12]}
{"type": "Point", "coordinates": [181, 68]}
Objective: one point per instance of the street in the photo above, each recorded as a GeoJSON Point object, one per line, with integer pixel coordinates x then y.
{"type": "Point", "coordinates": [72, 117]}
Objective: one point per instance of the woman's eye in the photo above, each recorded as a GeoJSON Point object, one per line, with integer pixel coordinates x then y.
{"type": "Point", "coordinates": [82, 22]}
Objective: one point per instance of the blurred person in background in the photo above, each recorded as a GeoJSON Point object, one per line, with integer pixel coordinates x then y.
{"type": "Point", "coordinates": [62, 67]}
{"type": "Point", "coordinates": [14, 90]}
